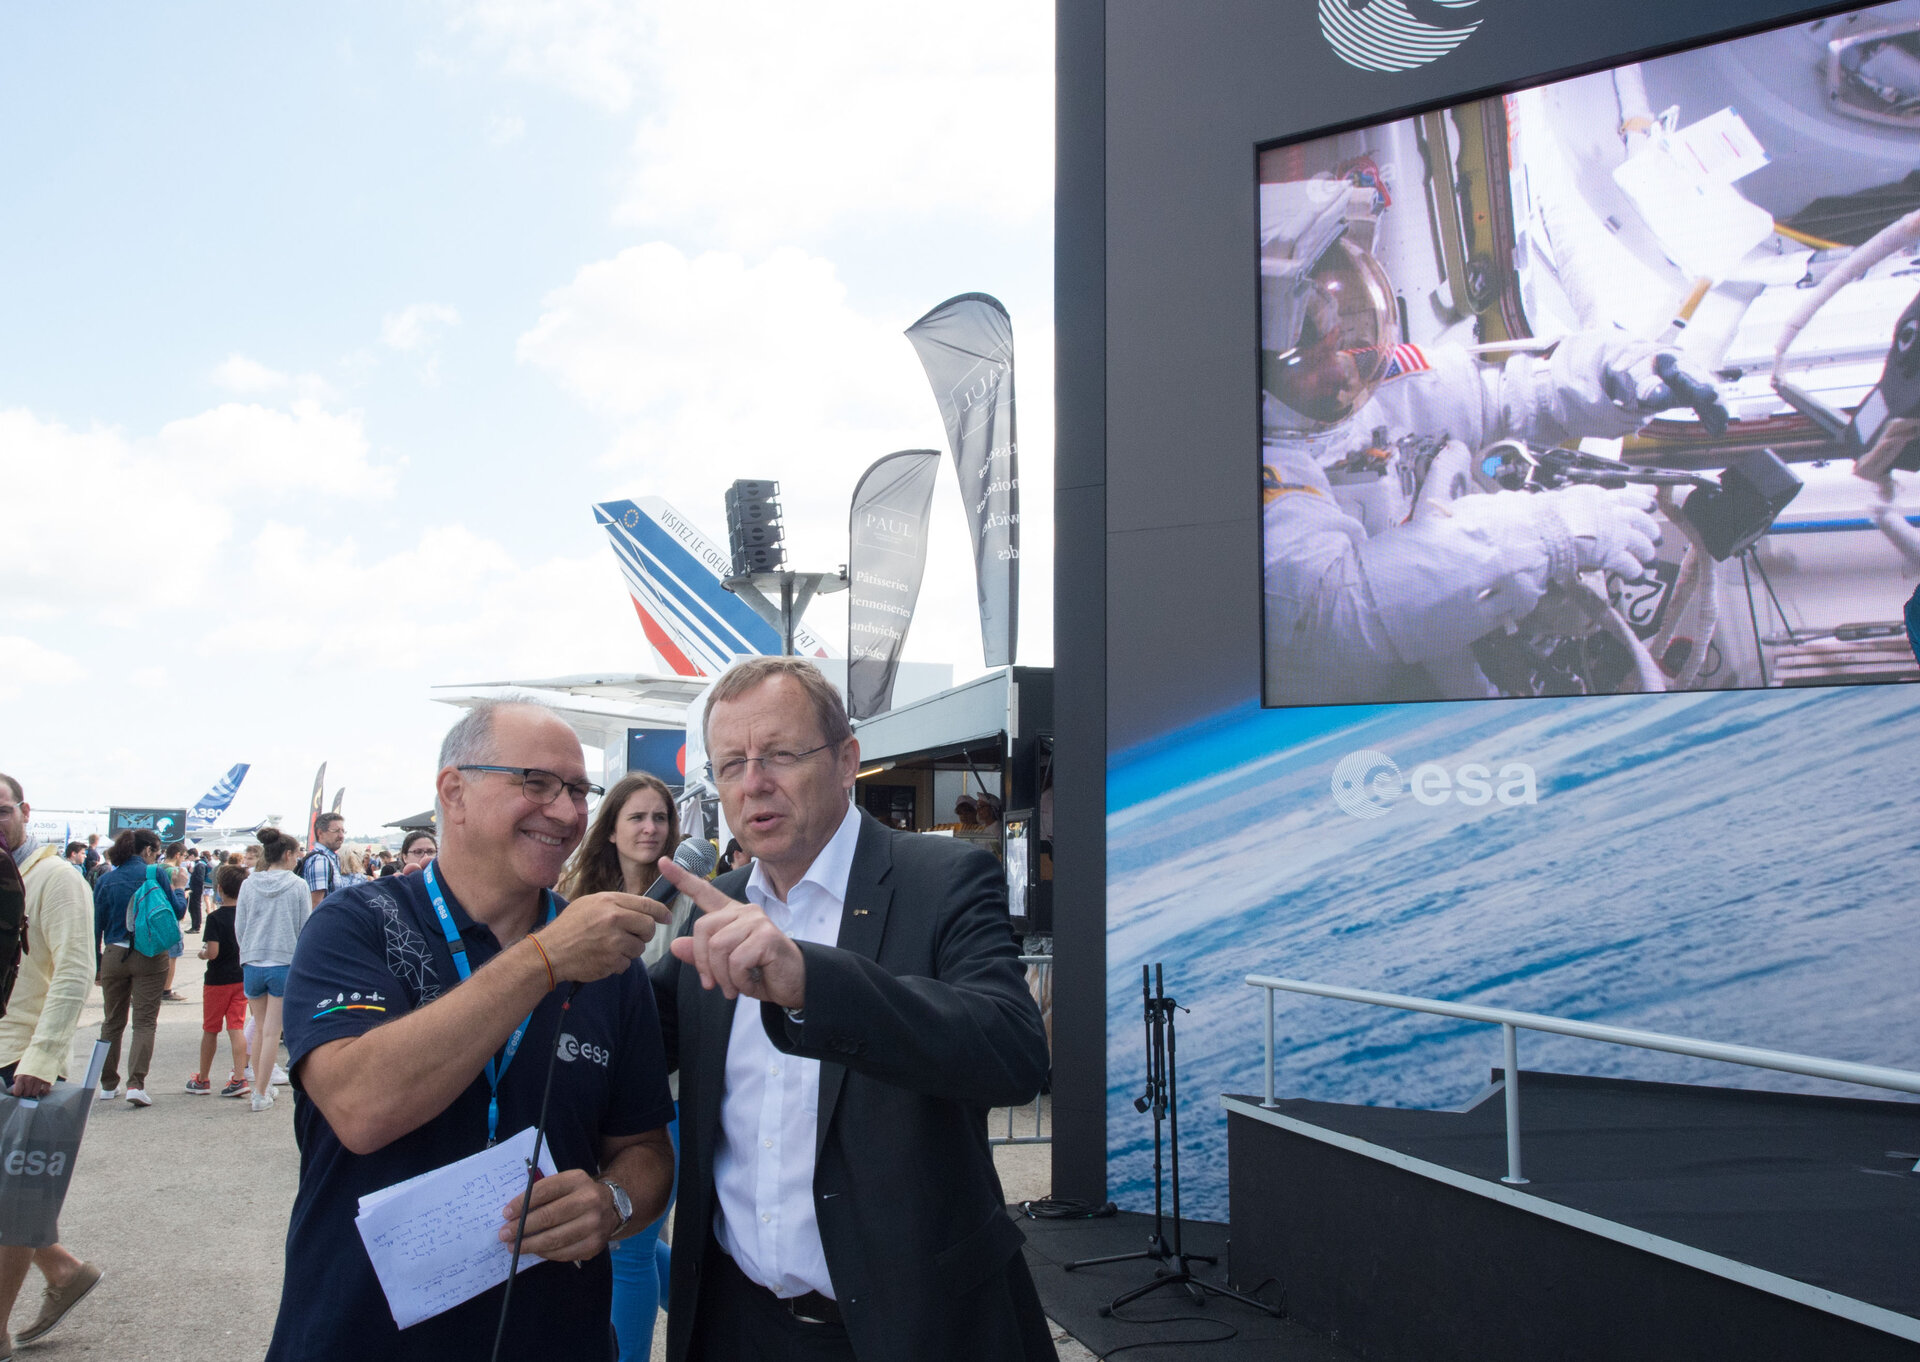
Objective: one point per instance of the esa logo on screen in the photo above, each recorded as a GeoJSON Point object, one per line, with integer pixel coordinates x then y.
{"type": "Point", "coordinates": [1394, 35]}
{"type": "Point", "coordinates": [1367, 784]}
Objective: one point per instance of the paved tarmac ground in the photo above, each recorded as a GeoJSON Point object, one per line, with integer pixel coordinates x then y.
{"type": "Point", "coordinates": [184, 1205]}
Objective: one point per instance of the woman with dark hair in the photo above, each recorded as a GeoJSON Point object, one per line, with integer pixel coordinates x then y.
{"type": "Point", "coordinates": [417, 849]}
{"type": "Point", "coordinates": [129, 980]}
{"type": "Point", "coordinates": [274, 905]}
{"type": "Point", "coordinates": [735, 857]}
{"type": "Point", "coordinates": [635, 826]}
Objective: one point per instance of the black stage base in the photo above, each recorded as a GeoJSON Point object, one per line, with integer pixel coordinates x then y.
{"type": "Point", "coordinates": [1179, 1327]}
{"type": "Point", "coordinates": [1660, 1221]}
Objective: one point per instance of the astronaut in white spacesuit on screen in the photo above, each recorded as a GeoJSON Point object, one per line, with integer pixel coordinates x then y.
{"type": "Point", "coordinates": [1384, 560]}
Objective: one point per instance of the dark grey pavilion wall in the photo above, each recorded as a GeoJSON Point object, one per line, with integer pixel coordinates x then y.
{"type": "Point", "coordinates": [1157, 618]}
{"type": "Point", "coordinates": [1080, 607]}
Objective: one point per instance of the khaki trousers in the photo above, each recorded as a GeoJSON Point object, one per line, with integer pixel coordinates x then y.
{"type": "Point", "coordinates": [130, 979]}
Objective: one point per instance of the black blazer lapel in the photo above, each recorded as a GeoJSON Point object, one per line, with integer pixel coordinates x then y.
{"type": "Point", "coordinates": [863, 922]}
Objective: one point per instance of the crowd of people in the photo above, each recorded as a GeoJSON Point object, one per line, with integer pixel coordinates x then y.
{"type": "Point", "coordinates": [255, 901]}
{"type": "Point", "coordinates": [841, 1004]}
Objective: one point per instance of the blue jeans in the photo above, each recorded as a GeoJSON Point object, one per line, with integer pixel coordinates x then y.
{"type": "Point", "coordinates": [640, 1274]}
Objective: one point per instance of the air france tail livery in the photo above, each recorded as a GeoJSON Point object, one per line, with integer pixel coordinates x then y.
{"type": "Point", "coordinates": [208, 808]}
{"type": "Point", "coordinates": [674, 573]}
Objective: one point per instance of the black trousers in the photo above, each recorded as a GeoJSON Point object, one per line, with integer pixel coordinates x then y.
{"type": "Point", "coordinates": [193, 910]}
{"type": "Point", "coordinates": [741, 1321]}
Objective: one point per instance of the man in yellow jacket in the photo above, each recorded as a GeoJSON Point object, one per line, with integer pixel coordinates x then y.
{"type": "Point", "coordinates": [36, 1034]}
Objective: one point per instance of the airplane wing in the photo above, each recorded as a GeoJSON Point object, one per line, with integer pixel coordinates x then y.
{"type": "Point", "coordinates": [674, 573]}
{"type": "Point", "coordinates": [214, 802]}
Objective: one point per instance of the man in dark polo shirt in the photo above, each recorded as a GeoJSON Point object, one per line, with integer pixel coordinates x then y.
{"type": "Point", "coordinates": [402, 1058]}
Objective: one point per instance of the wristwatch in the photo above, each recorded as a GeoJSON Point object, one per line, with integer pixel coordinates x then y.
{"type": "Point", "coordinates": [622, 1203]}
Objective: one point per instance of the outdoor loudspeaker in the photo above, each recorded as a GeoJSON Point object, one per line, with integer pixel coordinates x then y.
{"type": "Point", "coordinates": [753, 527]}
{"type": "Point", "coordinates": [753, 502]}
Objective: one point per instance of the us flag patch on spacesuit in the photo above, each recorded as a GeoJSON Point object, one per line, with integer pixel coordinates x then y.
{"type": "Point", "coordinates": [1405, 359]}
{"type": "Point", "coordinates": [1271, 486]}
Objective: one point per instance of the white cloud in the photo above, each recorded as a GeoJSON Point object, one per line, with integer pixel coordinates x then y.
{"type": "Point", "coordinates": [416, 325]}
{"type": "Point", "coordinates": [452, 602]}
{"type": "Point", "coordinates": [99, 524]}
{"type": "Point", "coordinates": [717, 368]}
{"type": "Point", "coordinates": [91, 523]}
{"type": "Point", "coordinates": [824, 122]}
{"type": "Point", "coordinates": [307, 448]}
{"type": "Point", "coordinates": [593, 49]}
{"type": "Point", "coordinates": [238, 374]}
{"type": "Point", "coordinates": [506, 129]}
{"type": "Point", "coordinates": [767, 121]}
{"type": "Point", "coordinates": [25, 663]}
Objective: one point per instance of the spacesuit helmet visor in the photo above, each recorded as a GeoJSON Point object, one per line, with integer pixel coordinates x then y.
{"type": "Point", "coordinates": [1330, 336]}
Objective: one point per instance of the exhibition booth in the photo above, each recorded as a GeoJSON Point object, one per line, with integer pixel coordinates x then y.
{"type": "Point", "coordinates": [1486, 480]}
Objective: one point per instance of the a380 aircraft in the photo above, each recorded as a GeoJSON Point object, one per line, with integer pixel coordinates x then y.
{"type": "Point", "coordinates": [65, 825]}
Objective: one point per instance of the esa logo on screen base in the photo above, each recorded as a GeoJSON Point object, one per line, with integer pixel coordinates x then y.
{"type": "Point", "coordinates": [1367, 784]}
{"type": "Point", "coordinates": [34, 1163]}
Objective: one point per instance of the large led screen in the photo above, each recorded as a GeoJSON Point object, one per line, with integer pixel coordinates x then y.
{"type": "Point", "coordinates": [1601, 387]}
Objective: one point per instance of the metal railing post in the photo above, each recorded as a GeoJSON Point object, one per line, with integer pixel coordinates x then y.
{"type": "Point", "coordinates": [1269, 1104]}
{"type": "Point", "coordinates": [1512, 1037]}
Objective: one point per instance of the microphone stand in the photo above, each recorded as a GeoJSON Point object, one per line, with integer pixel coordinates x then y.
{"type": "Point", "coordinates": [533, 1174]}
{"type": "Point", "coordinates": [1162, 1099]}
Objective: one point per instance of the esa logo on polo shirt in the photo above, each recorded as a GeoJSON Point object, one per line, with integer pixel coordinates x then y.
{"type": "Point", "coordinates": [571, 1049]}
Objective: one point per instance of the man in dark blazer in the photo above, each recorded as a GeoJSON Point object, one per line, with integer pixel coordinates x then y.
{"type": "Point", "coordinates": [838, 1198]}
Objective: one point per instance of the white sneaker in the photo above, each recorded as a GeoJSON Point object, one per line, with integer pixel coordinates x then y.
{"type": "Point", "coordinates": [110, 1094]}
{"type": "Point", "coordinates": [137, 1097]}
{"type": "Point", "coordinates": [248, 1073]}
{"type": "Point", "coordinates": [279, 1076]}
{"type": "Point", "coordinates": [260, 1101]}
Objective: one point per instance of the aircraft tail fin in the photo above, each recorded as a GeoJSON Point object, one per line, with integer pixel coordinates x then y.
{"type": "Point", "coordinates": [208, 808]}
{"type": "Point", "coordinates": [674, 574]}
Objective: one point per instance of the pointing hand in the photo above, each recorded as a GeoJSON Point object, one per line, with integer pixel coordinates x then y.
{"type": "Point", "coordinates": [735, 947]}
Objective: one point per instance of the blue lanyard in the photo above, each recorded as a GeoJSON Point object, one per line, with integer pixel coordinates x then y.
{"type": "Point", "coordinates": [496, 1070]}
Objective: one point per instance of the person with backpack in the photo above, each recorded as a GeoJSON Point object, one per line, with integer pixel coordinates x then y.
{"type": "Point", "coordinates": [173, 863]}
{"type": "Point", "coordinates": [321, 866]}
{"type": "Point", "coordinates": [132, 905]}
{"type": "Point", "coordinates": [272, 909]}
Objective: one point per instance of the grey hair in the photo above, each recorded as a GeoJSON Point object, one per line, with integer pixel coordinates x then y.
{"type": "Point", "coordinates": [829, 710]}
{"type": "Point", "coordinates": [470, 742]}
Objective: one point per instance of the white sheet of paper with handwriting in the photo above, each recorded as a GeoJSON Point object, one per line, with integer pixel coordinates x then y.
{"type": "Point", "coordinates": [435, 1239]}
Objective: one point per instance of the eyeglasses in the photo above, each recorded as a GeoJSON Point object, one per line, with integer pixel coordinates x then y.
{"type": "Point", "coordinates": [734, 771]}
{"type": "Point", "coordinates": [422, 853]}
{"type": "Point", "coordinates": [543, 787]}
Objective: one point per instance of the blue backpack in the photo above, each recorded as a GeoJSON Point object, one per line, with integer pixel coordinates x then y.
{"type": "Point", "coordinates": [150, 920]}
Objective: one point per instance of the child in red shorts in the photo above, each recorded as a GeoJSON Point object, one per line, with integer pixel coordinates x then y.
{"type": "Point", "coordinates": [223, 998]}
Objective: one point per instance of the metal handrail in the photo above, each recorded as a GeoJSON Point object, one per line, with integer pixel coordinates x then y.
{"type": "Point", "coordinates": [1511, 1022]}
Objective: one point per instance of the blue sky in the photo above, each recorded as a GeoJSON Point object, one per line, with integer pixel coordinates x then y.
{"type": "Point", "coordinates": [321, 328]}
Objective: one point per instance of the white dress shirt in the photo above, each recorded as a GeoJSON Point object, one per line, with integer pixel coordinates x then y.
{"type": "Point", "coordinates": [770, 1108]}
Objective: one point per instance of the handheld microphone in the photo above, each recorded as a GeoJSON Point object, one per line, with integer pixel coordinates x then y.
{"type": "Point", "coordinates": [696, 855]}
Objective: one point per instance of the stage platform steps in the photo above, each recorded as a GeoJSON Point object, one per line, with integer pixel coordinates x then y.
{"type": "Point", "coordinates": [1659, 1221]}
